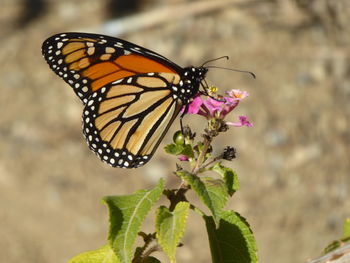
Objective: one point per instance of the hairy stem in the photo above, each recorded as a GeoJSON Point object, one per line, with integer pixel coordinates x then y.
{"type": "Point", "coordinates": [212, 161]}
{"type": "Point", "coordinates": [149, 251]}
{"type": "Point", "coordinates": [200, 160]}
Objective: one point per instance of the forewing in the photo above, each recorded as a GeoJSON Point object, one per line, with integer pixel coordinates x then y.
{"type": "Point", "coordinates": [87, 62]}
{"type": "Point", "coordinates": [125, 120]}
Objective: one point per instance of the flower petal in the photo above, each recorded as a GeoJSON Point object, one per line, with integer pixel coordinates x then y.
{"type": "Point", "coordinates": [237, 94]}
{"type": "Point", "coordinates": [229, 105]}
{"type": "Point", "coordinates": [213, 105]}
{"type": "Point", "coordinates": [183, 158]}
{"type": "Point", "coordinates": [243, 121]}
{"type": "Point", "coordinates": [194, 105]}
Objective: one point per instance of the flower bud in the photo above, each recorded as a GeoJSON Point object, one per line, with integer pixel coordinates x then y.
{"type": "Point", "coordinates": [179, 138]}
{"type": "Point", "coordinates": [229, 153]}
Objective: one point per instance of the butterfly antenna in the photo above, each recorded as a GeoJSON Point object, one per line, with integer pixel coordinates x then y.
{"type": "Point", "coordinates": [211, 60]}
{"type": "Point", "coordinates": [237, 70]}
{"type": "Point", "coordinates": [205, 88]}
{"type": "Point", "coordinates": [206, 85]}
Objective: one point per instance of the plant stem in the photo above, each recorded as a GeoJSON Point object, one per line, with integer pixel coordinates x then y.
{"type": "Point", "coordinates": [149, 252]}
{"type": "Point", "coordinates": [200, 160]}
{"type": "Point", "coordinates": [179, 196]}
{"type": "Point", "coordinates": [148, 240]}
{"type": "Point", "coordinates": [212, 161]}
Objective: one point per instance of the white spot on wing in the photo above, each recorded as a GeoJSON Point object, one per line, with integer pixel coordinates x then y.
{"type": "Point", "coordinates": [117, 81]}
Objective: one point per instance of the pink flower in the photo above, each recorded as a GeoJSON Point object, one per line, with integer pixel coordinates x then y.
{"type": "Point", "coordinates": [237, 94]}
{"type": "Point", "coordinates": [213, 107]}
{"type": "Point", "coordinates": [243, 121]}
{"type": "Point", "coordinates": [194, 106]}
{"type": "Point", "coordinates": [219, 108]}
{"type": "Point", "coordinates": [183, 158]}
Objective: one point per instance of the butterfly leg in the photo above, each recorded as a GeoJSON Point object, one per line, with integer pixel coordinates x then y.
{"type": "Point", "coordinates": [181, 117]}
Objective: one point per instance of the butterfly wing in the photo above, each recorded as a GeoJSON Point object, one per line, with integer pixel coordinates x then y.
{"type": "Point", "coordinates": [127, 91]}
{"type": "Point", "coordinates": [87, 62]}
{"type": "Point", "coordinates": [125, 121]}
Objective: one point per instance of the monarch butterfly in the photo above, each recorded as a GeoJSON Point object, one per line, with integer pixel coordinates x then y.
{"type": "Point", "coordinates": [131, 94]}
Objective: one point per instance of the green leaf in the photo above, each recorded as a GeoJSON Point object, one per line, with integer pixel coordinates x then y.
{"type": "Point", "coordinates": [187, 150]}
{"type": "Point", "coordinates": [233, 241]}
{"type": "Point", "coordinates": [212, 192]}
{"type": "Point", "coordinates": [332, 246]}
{"type": "Point", "coordinates": [126, 214]}
{"type": "Point", "coordinates": [174, 149]}
{"type": "Point", "coordinates": [104, 254]}
{"type": "Point", "coordinates": [346, 229]}
{"type": "Point", "coordinates": [177, 149]}
{"type": "Point", "coordinates": [229, 176]}
{"type": "Point", "coordinates": [170, 227]}
{"type": "Point", "coordinates": [345, 238]}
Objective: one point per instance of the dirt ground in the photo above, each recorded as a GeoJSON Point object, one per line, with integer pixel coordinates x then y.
{"type": "Point", "coordinates": [293, 164]}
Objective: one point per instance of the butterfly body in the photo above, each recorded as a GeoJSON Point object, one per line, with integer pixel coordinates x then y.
{"type": "Point", "coordinates": [131, 95]}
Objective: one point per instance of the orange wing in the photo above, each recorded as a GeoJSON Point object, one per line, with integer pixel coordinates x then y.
{"type": "Point", "coordinates": [87, 62]}
{"type": "Point", "coordinates": [131, 94]}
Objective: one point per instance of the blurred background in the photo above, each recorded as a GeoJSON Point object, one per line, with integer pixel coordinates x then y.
{"type": "Point", "coordinates": [293, 164]}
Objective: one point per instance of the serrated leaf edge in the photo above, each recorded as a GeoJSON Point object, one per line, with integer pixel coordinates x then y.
{"type": "Point", "coordinates": [174, 234]}
{"type": "Point", "coordinates": [124, 249]}
{"type": "Point", "coordinates": [204, 194]}
{"type": "Point", "coordinates": [124, 255]}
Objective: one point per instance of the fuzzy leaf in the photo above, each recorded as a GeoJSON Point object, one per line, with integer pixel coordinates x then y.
{"type": "Point", "coordinates": [212, 192]}
{"type": "Point", "coordinates": [126, 214]}
{"type": "Point", "coordinates": [177, 149]}
{"type": "Point", "coordinates": [233, 241]}
{"type": "Point", "coordinates": [170, 227]}
{"type": "Point", "coordinates": [229, 176]}
{"type": "Point", "coordinates": [104, 254]}
{"type": "Point", "coordinates": [345, 238]}
{"type": "Point", "coordinates": [332, 246]}
{"type": "Point", "coordinates": [187, 150]}
{"type": "Point", "coordinates": [174, 149]}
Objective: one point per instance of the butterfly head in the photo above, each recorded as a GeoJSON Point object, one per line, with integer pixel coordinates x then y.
{"type": "Point", "coordinates": [190, 82]}
{"type": "Point", "coordinates": [195, 74]}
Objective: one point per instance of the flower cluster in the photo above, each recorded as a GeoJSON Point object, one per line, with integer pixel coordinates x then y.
{"type": "Point", "coordinates": [214, 108]}
{"type": "Point", "coordinates": [219, 108]}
